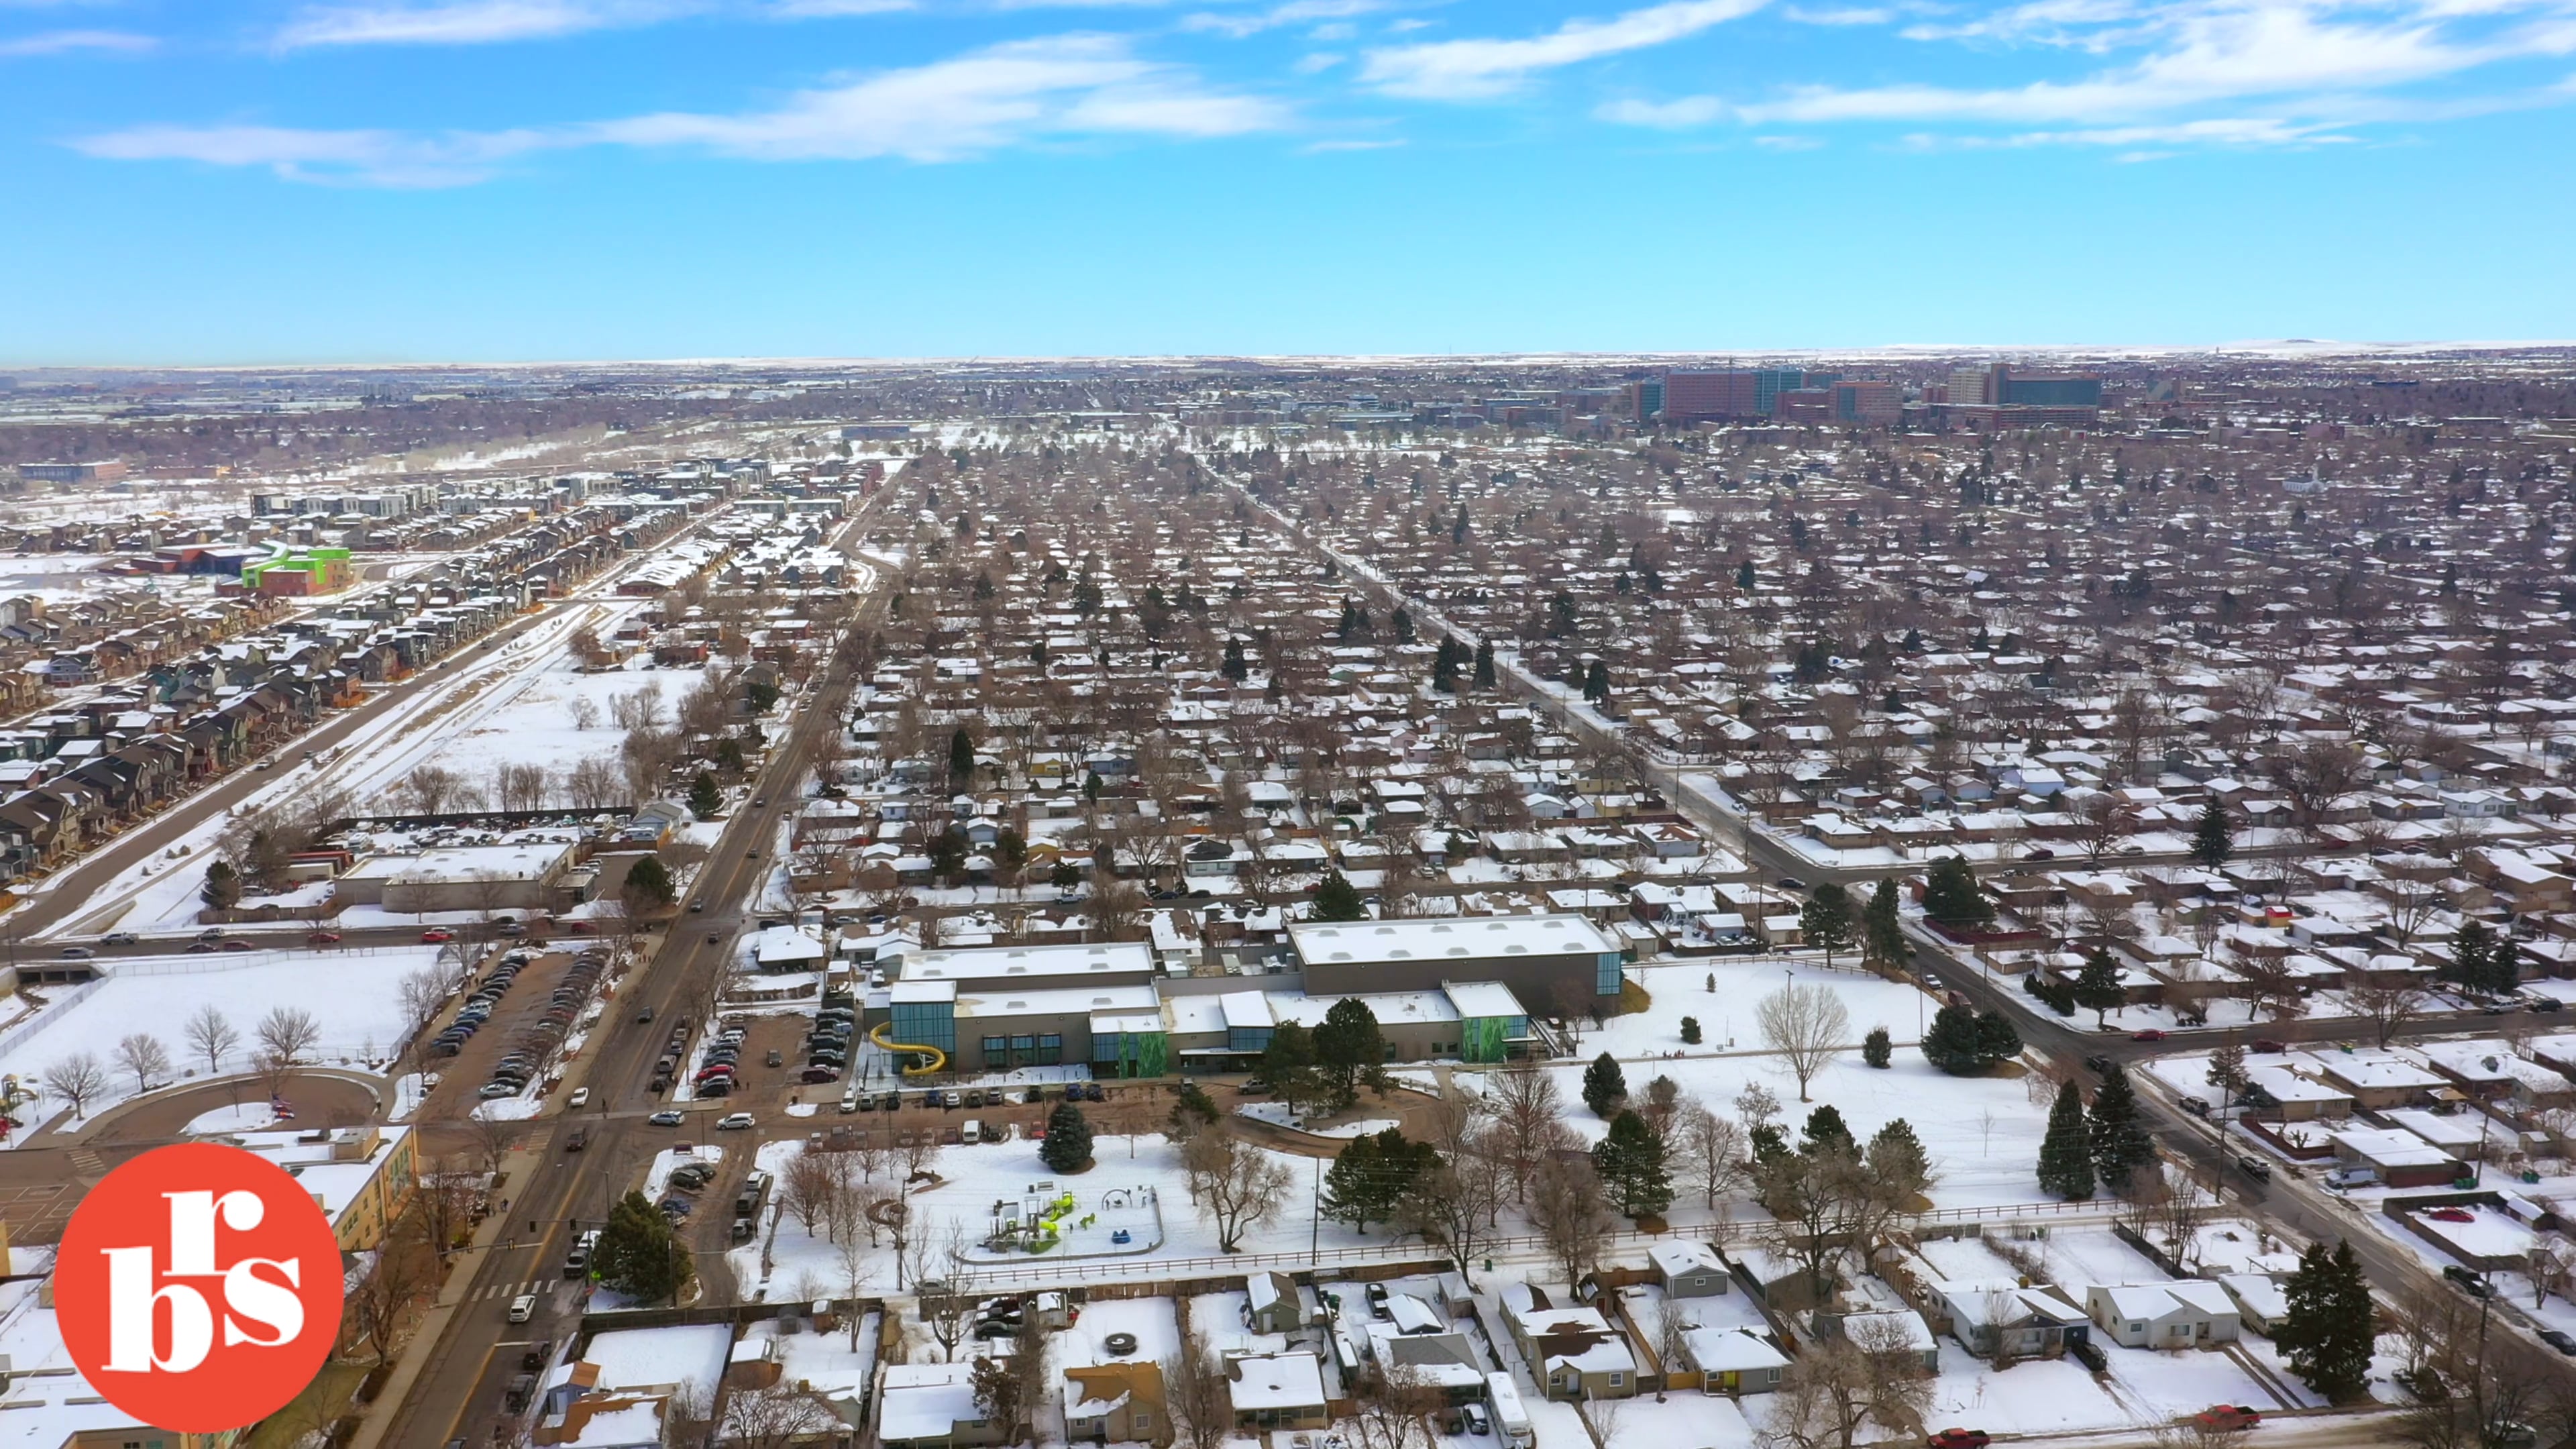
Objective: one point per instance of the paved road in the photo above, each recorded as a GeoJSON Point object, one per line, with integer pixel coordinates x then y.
{"type": "Point", "coordinates": [553, 1193]}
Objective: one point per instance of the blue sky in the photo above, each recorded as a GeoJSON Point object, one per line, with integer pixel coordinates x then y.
{"type": "Point", "coordinates": [228, 181]}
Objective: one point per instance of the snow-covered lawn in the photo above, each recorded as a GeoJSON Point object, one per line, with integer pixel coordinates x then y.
{"type": "Point", "coordinates": [351, 995]}
{"type": "Point", "coordinates": [1982, 1133]}
{"type": "Point", "coordinates": [247, 1117]}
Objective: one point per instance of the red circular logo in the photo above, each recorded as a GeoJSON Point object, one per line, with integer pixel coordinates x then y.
{"type": "Point", "coordinates": [198, 1288]}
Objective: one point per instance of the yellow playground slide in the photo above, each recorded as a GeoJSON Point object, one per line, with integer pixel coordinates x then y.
{"type": "Point", "coordinates": [933, 1059]}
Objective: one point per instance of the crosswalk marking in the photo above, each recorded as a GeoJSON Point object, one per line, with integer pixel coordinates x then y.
{"type": "Point", "coordinates": [513, 1290]}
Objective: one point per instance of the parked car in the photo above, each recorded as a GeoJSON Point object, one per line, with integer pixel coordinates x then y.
{"type": "Point", "coordinates": [2471, 1283]}
{"type": "Point", "coordinates": [2559, 1339]}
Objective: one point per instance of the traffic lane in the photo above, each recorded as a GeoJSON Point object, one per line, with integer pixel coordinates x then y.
{"type": "Point", "coordinates": [477, 1375]}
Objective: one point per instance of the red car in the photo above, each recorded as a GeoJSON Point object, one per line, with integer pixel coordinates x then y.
{"type": "Point", "coordinates": [437, 936]}
{"type": "Point", "coordinates": [239, 945]}
{"type": "Point", "coordinates": [581, 928]}
{"type": "Point", "coordinates": [2266, 1044]}
{"type": "Point", "coordinates": [2150, 1034]}
{"type": "Point", "coordinates": [1959, 1439]}
{"type": "Point", "coordinates": [2228, 1416]}
{"type": "Point", "coordinates": [323, 938]}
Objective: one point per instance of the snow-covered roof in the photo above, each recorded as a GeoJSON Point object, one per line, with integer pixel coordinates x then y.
{"type": "Point", "coordinates": [1373, 942]}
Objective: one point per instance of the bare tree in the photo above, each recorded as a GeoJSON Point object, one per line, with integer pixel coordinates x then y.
{"type": "Point", "coordinates": [211, 1036]}
{"type": "Point", "coordinates": [1843, 1383]}
{"type": "Point", "coordinates": [585, 713]}
{"type": "Point", "coordinates": [288, 1033]}
{"type": "Point", "coordinates": [436, 789]}
{"type": "Point", "coordinates": [1195, 1391]}
{"type": "Point", "coordinates": [2386, 1006]}
{"type": "Point", "coordinates": [423, 993]}
{"type": "Point", "coordinates": [1528, 1120]}
{"type": "Point", "coordinates": [79, 1079]}
{"type": "Point", "coordinates": [1394, 1404]}
{"type": "Point", "coordinates": [1710, 1151]}
{"type": "Point", "coordinates": [1571, 1213]}
{"type": "Point", "coordinates": [1241, 1187]}
{"type": "Point", "coordinates": [1805, 1024]}
{"type": "Point", "coordinates": [144, 1056]}
{"type": "Point", "coordinates": [520, 787]}
{"type": "Point", "coordinates": [776, 1416]}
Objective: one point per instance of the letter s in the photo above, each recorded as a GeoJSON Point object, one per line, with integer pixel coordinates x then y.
{"type": "Point", "coordinates": [263, 1302]}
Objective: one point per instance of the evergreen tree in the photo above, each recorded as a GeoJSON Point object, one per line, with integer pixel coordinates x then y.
{"type": "Point", "coordinates": [1193, 1110]}
{"type": "Point", "coordinates": [1372, 1175]}
{"type": "Point", "coordinates": [223, 888]}
{"type": "Point", "coordinates": [1596, 683]}
{"type": "Point", "coordinates": [639, 1255]}
{"type": "Point", "coordinates": [2066, 1152]}
{"type": "Point", "coordinates": [1950, 1043]}
{"type": "Point", "coordinates": [1630, 1164]}
{"type": "Point", "coordinates": [1604, 1085]}
{"type": "Point", "coordinates": [961, 759]}
{"type": "Point", "coordinates": [1882, 933]}
{"type": "Point", "coordinates": [1444, 667]}
{"type": "Point", "coordinates": [2119, 1140]}
{"type": "Point", "coordinates": [1288, 1064]}
{"type": "Point", "coordinates": [1826, 919]}
{"type": "Point", "coordinates": [2474, 952]}
{"type": "Point", "coordinates": [1336, 899]}
{"type": "Point", "coordinates": [1690, 1031]}
{"type": "Point", "coordinates": [1403, 621]}
{"type": "Point", "coordinates": [1897, 1159]}
{"type": "Point", "coordinates": [1236, 667]}
{"type": "Point", "coordinates": [1484, 664]}
{"type": "Point", "coordinates": [647, 885]}
{"type": "Point", "coordinates": [1877, 1049]}
{"type": "Point", "coordinates": [2097, 986]}
{"type": "Point", "coordinates": [1349, 1049]}
{"type": "Point", "coordinates": [705, 800]}
{"type": "Point", "coordinates": [1744, 576]}
{"type": "Point", "coordinates": [1997, 1042]}
{"type": "Point", "coordinates": [1067, 1147]}
{"type": "Point", "coordinates": [2213, 840]}
{"type": "Point", "coordinates": [1825, 1127]}
{"type": "Point", "coordinates": [1951, 896]}
{"type": "Point", "coordinates": [2227, 1067]}
{"type": "Point", "coordinates": [2326, 1337]}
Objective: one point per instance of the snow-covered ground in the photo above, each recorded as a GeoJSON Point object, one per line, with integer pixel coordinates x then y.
{"type": "Point", "coordinates": [1980, 1132]}
{"type": "Point", "coordinates": [353, 997]}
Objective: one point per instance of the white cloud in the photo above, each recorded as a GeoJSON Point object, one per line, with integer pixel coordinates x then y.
{"type": "Point", "coordinates": [1472, 69]}
{"type": "Point", "coordinates": [374, 158]}
{"type": "Point", "coordinates": [1675, 115]}
{"type": "Point", "coordinates": [62, 42]}
{"type": "Point", "coordinates": [2205, 72]}
{"type": "Point", "coordinates": [1292, 12]}
{"type": "Point", "coordinates": [1070, 85]}
{"type": "Point", "coordinates": [468, 22]}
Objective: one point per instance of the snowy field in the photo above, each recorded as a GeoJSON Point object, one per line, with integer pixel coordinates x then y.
{"type": "Point", "coordinates": [352, 996]}
{"type": "Point", "coordinates": [1981, 1132]}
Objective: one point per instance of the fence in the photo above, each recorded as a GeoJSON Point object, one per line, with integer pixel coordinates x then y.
{"type": "Point", "coordinates": [233, 960]}
{"type": "Point", "coordinates": [54, 1011]}
{"type": "Point", "coordinates": [1387, 1254]}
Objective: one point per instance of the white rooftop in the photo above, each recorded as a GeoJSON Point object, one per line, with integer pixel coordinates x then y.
{"type": "Point", "coordinates": [1455, 939]}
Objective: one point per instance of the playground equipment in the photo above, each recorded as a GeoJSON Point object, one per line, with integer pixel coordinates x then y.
{"type": "Point", "coordinates": [934, 1060]}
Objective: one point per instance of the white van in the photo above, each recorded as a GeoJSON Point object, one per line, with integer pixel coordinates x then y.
{"type": "Point", "coordinates": [850, 1101]}
{"type": "Point", "coordinates": [971, 1133]}
{"type": "Point", "coordinates": [1509, 1417]}
{"type": "Point", "coordinates": [522, 1307]}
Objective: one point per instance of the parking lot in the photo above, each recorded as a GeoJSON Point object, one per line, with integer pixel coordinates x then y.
{"type": "Point", "coordinates": [518, 1022]}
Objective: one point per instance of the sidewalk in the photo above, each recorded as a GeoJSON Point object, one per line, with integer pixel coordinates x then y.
{"type": "Point", "coordinates": [429, 1332]}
